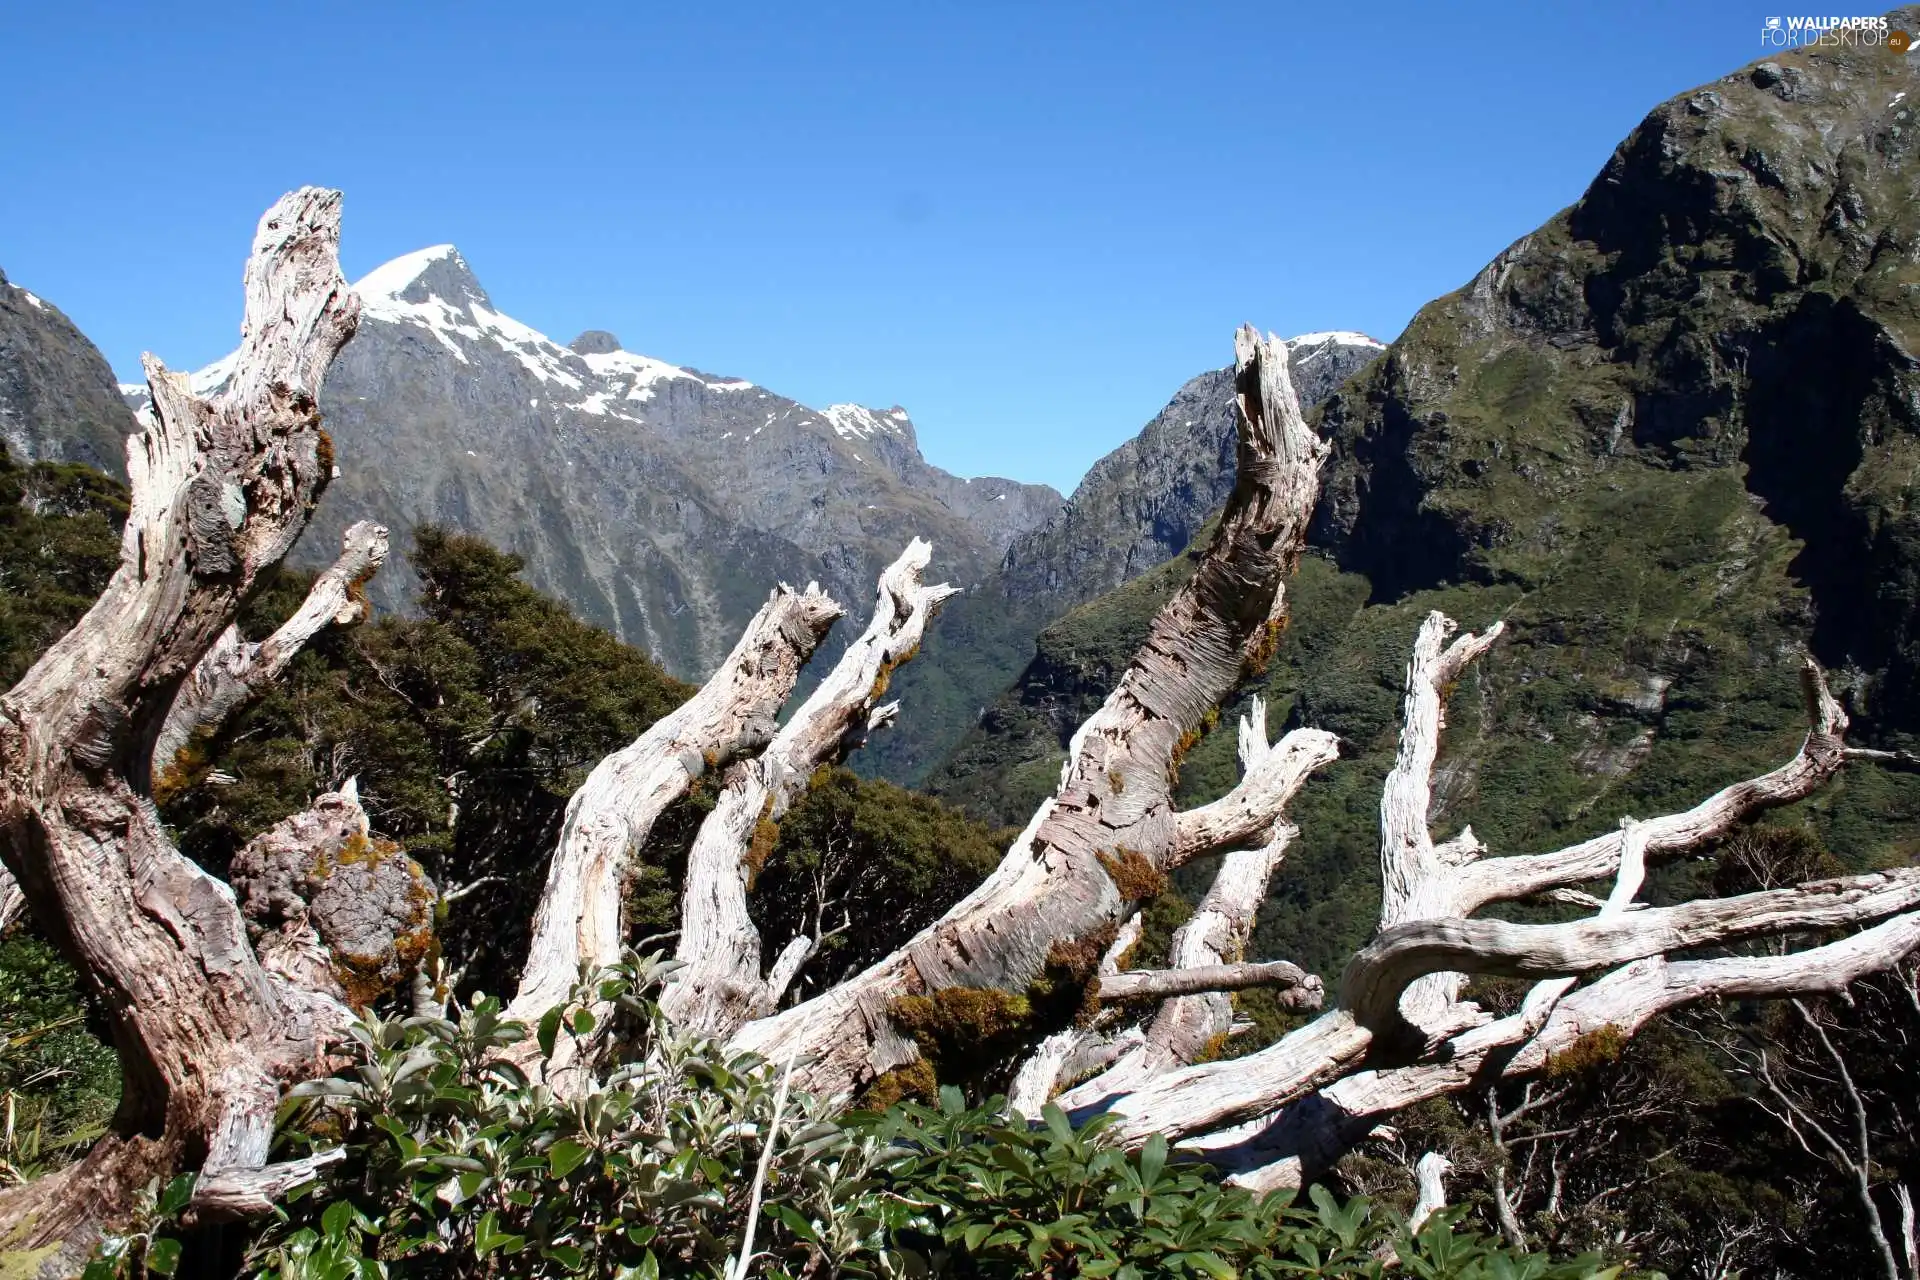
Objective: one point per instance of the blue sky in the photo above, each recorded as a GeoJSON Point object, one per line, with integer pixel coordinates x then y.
{"type": "Point", "coordinates": [1027, 223]}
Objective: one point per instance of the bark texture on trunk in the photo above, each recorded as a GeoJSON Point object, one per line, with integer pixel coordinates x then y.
{"type": "Point", "coordinates": [234, 671]}
{"type": "Point", "coordinates": [220, 491]}
{"type": "Point", "coordinates": [331, 908]}
{"type": "Point", "coordinates": [1206, 952]}
{"type": "Point", "coordinates": [1196, 1016]}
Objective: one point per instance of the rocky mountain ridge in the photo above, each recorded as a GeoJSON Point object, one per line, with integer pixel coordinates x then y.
{"type": "Point", "coordinates": [58, 398]}
{"type": "Point", "coordinates": [660, 502]}
{"type": "Point", "coordinates": [1670, 438]}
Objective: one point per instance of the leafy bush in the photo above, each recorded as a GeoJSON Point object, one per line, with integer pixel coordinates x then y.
{"type": "Point", "coordinates": [457, 1163]}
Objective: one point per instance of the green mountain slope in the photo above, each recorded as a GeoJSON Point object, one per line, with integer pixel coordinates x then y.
{"type": "Point", "coordinates": [1670, 438]}
{"type": "Point", "coordinates": [1135, 507]}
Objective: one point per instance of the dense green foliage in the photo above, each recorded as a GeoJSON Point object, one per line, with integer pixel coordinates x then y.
{"type": "Point", "coordinates": [467, 727]}
{"type": "Point", "coordinates": [457, 1164]}
{"type": "Point", "coordinates": [59, 542]}
{"type": "Point", "coordinates": [58, 1081]}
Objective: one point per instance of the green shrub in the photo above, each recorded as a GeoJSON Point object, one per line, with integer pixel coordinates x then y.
{"type": "Point", "coordinates": [458, 1164]}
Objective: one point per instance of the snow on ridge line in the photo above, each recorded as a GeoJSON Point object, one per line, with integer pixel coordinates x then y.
{"type": "Point", "coordinates": [544, 358]}
{"type": "Point", "coordinates": [645, 371]}
{"type": "Point", "coordinates": [1346, 337]}
{"type": "Point", "coordinates": [632, 376]}
{"type": "Point", "coordinates": [392, 277]}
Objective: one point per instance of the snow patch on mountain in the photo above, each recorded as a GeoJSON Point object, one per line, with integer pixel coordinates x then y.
{"type": "Point", "coordinates": [857, 422]}
{"type": "Point", "coordinates": [1343, 337]}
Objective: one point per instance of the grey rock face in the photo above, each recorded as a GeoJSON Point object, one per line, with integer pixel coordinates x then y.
{"type": "Point", "coordinates": [58, 399]}
{"type": "Point", "coordinates": [1136, 507]}
{"type": "Point", "coordinates": [1144, 501]}
{"type": "Point", "coordinates": [594, 342]}
{"type": "Point", "coordinates": [660, 502]}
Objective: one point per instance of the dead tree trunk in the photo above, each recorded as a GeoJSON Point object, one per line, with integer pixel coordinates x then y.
{"type": "Point", "coordinates": [722, 985]}
{"type": "Point", "coordinates": [1109, 836]}
{"type": "Point", "coordinates": [234, 671]}
{"type": "Point", "coordinates": [220, 491]}
{"type": "Point", "coordinates": [1206, 952]}
{"type": "Point", "coordinates": [578, 923]}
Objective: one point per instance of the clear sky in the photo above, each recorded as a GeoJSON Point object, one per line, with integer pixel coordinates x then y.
{"type": "Point", "coordinates": [1026, 222]}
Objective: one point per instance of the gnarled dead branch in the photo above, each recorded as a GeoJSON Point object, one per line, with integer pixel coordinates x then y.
{"type": "Point", "coordinates": [1399, 1034]}
{"type": "Point", "coordinates": [722, 985]}
{"type": "Point", "coordinates": [234, 671]}
{"type": "Point", "coordinates": [577, 925]}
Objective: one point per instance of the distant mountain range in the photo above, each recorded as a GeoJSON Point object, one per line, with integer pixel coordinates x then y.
{"type": "Point", "coordinates": [660, 502]}
{"type": "Point", "coordinates": [663, 502]}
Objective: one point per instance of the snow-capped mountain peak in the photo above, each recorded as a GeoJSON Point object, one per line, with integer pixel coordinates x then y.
{"type": "Point", "coordinates": [437, 271]}
{"type": "Point", "coordinates": [660, 499]}
{"type": "Point", "coordinates": [435, 289]}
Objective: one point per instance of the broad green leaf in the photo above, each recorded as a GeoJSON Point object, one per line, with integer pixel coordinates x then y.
{"type": "Point", "coordinates": [163, 1255]}
{"type": "Point", "coordinates": [565, 1156]}
{"type": "Point", "coordinates": [1153, 1158]}
{"type": "Point", "coordinates": [549, 1031]}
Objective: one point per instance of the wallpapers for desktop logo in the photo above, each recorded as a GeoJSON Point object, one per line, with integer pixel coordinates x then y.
{"type": "Point", "coordinates": [1802, 31]}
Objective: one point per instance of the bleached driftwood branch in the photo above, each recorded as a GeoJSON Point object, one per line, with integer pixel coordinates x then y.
{"type": "Point", "coordinates": [1293, 1108]}
{"type": "Point", "coordinates": [1197, 1016]}
{"type": "Point", "coordinates": [721, 985]}
{"type": "Point", "coordinates": [1430, 1176]}
{"type": "Point", "coordinates": [577, 924]}
{"type": "Point", "coordinates": [235, 671]}
{"type": "Point", "coordinates": [1301, 988]}
{"type": "Point", "coordinates": [1270, 776]}
{"type": "Point", "coordinates": [1109, 834]}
